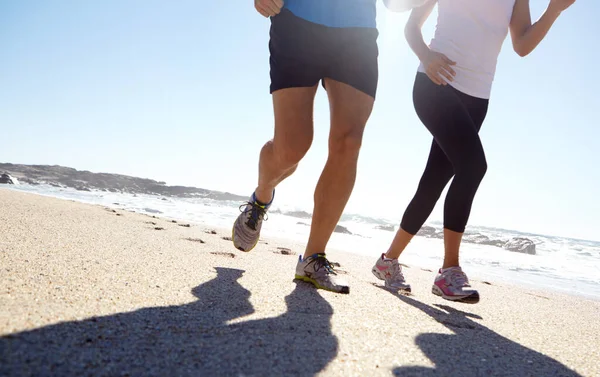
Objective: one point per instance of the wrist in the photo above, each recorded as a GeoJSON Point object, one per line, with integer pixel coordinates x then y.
{"type": "Point", "coordinates": [553, 12]}
{"type": "Point", "coordinates": [424, 54]}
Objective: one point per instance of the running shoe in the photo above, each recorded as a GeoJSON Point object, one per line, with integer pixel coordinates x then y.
{"type": "Point", "coordinates": [246, 229]}
{"type": "Point", "coordinates": [319, 271]}
{"type": "Point", "coordinates": [452, 284]}
{"type": "Point", "coordinates": [390, 271]}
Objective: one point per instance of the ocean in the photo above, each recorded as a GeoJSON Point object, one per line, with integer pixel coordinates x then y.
{"type": "Point", "coordinates": [560, 264]}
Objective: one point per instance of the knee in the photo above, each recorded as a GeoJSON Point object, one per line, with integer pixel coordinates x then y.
{"type": "Point", "coordinates": [481, 168]}
{"type": "Point", "coordinates": [346, 145]}
{"type": "Point", "coordinates": [476, 168]}
{"type": "Point", "coordinates": [289, 155]}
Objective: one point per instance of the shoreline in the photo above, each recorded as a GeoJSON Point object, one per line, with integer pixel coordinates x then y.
{"type": "Point", "coordinates": [89, 290]}
{"type": "Point", "coordinates": [478, 275]}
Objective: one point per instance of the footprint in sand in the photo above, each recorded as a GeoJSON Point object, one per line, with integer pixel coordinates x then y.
{"type": "Point", "coordinates": [284, 251]}
{"type": "Point", "coordinates": [227, 238]}
{"type": "Point", "coordinates": [223, 253]}
{"type": "Point", "coordinates": [159, 228]}
{"type": "Point", "coordinates": [195, 240]}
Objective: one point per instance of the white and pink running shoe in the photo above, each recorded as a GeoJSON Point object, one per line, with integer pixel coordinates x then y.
{"type": "Point", "coordinates": [390, 271]}
{"type": "Point", "coordinates": [453, 284]}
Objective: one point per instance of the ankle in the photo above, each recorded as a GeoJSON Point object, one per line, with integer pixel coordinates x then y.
{"type": "Point", "coordinates": [264, 197]}
{"type": "Point", "coordinates": [308, 254]}
{"type": "Point", "coordinates": [392, 254]}
{"type": "Point", "coordinates": [447, 266]}
{"type": "Point", "coordinates": [387, 257]}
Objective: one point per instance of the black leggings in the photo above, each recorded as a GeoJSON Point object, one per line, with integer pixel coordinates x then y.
{"type": "Point", "coordinates": [454, 120]}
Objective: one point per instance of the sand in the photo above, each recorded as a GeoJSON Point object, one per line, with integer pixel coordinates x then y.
{"type": "Point", "coordinates": [86, 290]}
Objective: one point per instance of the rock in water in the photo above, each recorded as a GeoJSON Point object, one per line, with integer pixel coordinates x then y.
{"type": "Point", "coordinates": [7, 179]}
{"type": "Point", "coordinates": [520, 245]}
{"type": "Point", "coordinates": [497, 243]}
{"type": "Point", "coordinates": [389, 228]}
{"type": "Point", "coordinates": [299, 214]}
{"type": "Point", "coordinates": [426, 231]}
{"type": "Point", "coordinates": [342, 229]}
{"type": "Point", "coordinates": [475, 238]}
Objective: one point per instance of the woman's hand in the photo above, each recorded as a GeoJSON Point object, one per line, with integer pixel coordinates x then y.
{"type": "Point", "coordinates": [438, 67]}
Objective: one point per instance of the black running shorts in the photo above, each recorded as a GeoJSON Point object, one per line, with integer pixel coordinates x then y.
{"type": "Point", "coordinates": [304, 53]}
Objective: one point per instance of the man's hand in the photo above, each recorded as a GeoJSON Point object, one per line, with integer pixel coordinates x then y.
{"type": "Point", "coordinates": [438, 68]}
{"type": "Point", "coordinates": [557, 6]}
{"type": "Point", "coordinates": [268, 8]}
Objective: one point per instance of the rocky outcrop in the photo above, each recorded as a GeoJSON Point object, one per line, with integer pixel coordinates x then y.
{"type": "Point", "coordinates": [481, 239]}
{"type": "Point", "coordinates": [60, 176]}
{"type": "Point", "coordinates": [427, 231]}
{"type": "Point", "coordinates": [342, 229]}
{"type": "Point", "coordinates": [389, 228]}
{"type": "Point", "coordinates": [520, 245]}
{"type": "Point", "coordinates": [298, 214]}
{"type": "Point", "coordinates": [7, 179]}
{"type": "Point", "coordinates": [338, 228]}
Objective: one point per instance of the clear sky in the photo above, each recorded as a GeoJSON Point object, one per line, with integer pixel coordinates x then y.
{"type": "Point", "coordinates": [178, 91]}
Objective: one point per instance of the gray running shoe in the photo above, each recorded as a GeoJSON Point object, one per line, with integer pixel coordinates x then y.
{"type": "Point", "coordinates": [319, 271]}
{"type": "Point", "coordinates": [391, 272]}
{"type": "Point", "coordinates": [453, 285]}
{"type": "Point", "coordinates": [246, 229]}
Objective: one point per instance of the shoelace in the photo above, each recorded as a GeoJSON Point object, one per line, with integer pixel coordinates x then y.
{"type": "Point", "coordinates": [322, 262]}
{"type": "Point", "coordinates": [458, 278]}
{"type": "Point", "coordinates": [257, 213]}
{"type": "Point", "coordinates": [397, 274]}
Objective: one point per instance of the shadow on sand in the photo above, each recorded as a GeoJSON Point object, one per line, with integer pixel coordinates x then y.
{"type": "Point", "coordinates": [475, 350]}
{"type": "Point", "coordinates": [187, 340]}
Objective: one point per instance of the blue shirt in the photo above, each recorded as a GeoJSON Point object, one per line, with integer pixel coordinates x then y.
{"type": "Point", "coordinates": [335, 13]}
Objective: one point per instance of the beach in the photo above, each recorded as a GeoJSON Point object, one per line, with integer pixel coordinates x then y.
{"type": "Point", "coordinates": [91, 290]}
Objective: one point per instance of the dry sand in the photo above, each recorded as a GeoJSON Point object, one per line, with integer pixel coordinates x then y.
{"type": "Point", "coordinates": [85, 290]}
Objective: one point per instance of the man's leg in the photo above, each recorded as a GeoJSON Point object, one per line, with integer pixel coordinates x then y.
{"type": "Point", "coordinates": [279, 157]}
{"type": "Point", "coordinates": [350, 109]}
{"type": "Point", "coordinates": [296, 67]}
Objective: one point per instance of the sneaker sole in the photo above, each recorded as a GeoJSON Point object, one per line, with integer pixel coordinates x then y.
{"type": "Point", "coordinates": [239, 247]}
{"type": "Point", "coordinates": [396, 290]}
{"type": "Point", "coordinates": [470, 299]}
{"type": "Point", "coordinates": [391, 289]}
{"type": "Point", "coordinates": [344, 290]}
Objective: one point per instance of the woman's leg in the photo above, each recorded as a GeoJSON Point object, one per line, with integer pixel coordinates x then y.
{"type": "Point", "coordinates": [436, 176]}
{"type": "Point", "coordinates": [454, 120]}
{"type": "Point", "coordinates": [454, 124]}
